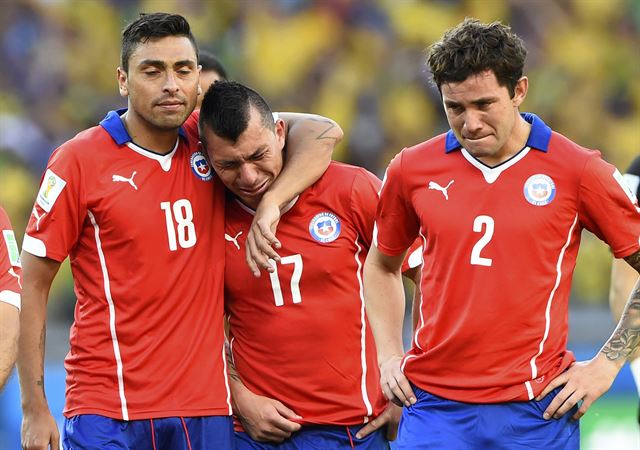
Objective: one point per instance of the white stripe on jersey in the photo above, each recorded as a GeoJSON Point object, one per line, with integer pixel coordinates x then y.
{"type": "Point", "coordinates": [226, 379]}
{"type": "Point", "coordinates": [112, 317]}
{"type": "Point", "coordinates": [527, 384]}
{"type": "Point", "coordinates": [363, 336]}
{"type": "Point", "coordinates": [421, 324]}
{"type": "Point", "coordinates": [547, 313]}
{"type": "Point", "coordinates": [404, 361]}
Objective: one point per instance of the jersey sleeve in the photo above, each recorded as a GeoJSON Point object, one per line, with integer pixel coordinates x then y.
{"type": "Point", "coordinates": [10, 267]}
{"type": "Point", "coordinates": [364, 200]}
{"type": "Point", "coordinates": [60, 208]}
{"type": "Point", "coordinates": [190, 126]}
{"type": "Point", "coordinates": [632, 176]}
{"type": "Point", "coordinates": [608, 208]}
{"type": "Point", "coordinates": [397, 224]}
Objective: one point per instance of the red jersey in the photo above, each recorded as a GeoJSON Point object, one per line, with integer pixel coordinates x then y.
{"type": "Point", "coordinates": [500, 246]}
{"type": "Point", "coordinates": [300, 335]}
{"type": "Point", "coordinates": [10, 268]}
{"type": "Point", "coordinates": [144, 233]}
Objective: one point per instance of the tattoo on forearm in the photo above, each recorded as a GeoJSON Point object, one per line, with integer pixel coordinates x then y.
{"type": "Point", "coordinates": [626, 337]}
{"type": "Point", "coordinates": [41, 345]}
{"type": "Point", "coordinates": [40, 383]}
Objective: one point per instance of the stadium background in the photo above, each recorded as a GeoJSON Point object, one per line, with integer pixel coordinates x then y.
{"type": "Point", "coordinates": [358, 62]}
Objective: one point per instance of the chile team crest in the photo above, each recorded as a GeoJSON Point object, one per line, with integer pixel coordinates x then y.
{"type": "Point", "coordinates": [325, 227]}
{"type": "Point", "coordinates": [539, 190]}
{"type": "Point", "coordinates": [200, 166]}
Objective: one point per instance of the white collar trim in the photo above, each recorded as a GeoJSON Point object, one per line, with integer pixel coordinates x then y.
{"type": "Point", "coordinates": [491, 174]}
{"type": "Point", "coordinates": [163, 160]}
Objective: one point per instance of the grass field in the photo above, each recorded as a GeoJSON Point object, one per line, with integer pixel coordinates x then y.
{"type": "Point", "coordinates": [610, 424]}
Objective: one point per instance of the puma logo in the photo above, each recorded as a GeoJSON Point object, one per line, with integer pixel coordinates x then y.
{"type": "Point", "coordinates": [437, 187]}
{"type": "Point", "coordinates": [233, 239]}
{"type": "Point", "coordinates": [116, 178]}
{"type": "Point", "coordinates": [38, 217]}
{"type": "Point", "coordinates": [12, 273]}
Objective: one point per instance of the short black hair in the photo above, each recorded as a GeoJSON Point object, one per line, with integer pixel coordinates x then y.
{"type": "Point", "coordinates": [209, 62]}
{"type": "Point", "coordinates": [153, 26]}
{"type": "Point", "coordinates": [473, 47]}
{"type": "Point", "coordinates": [226, 110]}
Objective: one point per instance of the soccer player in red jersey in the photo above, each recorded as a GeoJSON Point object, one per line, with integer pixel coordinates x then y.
{"type": "Point", "coordinates": [135, 205]}
{"type": "Point", "coordinates": [10, 271]}
{"type": "Point", "coordinates": [500, 202]}
{"type": "Point", "coordinates": [305, 361]}
{"type": "Point", "coordinates": [623, 277]}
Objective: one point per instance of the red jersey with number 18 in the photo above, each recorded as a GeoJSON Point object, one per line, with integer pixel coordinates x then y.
{"type": "Point", "coordinates": [300, 335]}
{"type": "Point", "coordinates": [145, 236]}
{"type": "Point", "coordinates": [10, 267]}
{"type": "Point", "coordinates": [500, 246]}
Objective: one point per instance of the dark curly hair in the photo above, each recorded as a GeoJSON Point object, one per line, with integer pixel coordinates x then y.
{"type": "Point", "coordinates": [473, 47]}
{"type": "Point", "coordinates": [153, 26]}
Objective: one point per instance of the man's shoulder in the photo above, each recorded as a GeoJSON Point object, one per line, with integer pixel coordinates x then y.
{"type": "Point", "coordinates": [563, 147]}
{"type": "Point", "coordinates": [341, 177]}
{"type": "Point", "coordinates": [416, 156]}
{"type": "Point", "coordinates": [86, 144]}
{"type": "Point", "coordinates": [435, 145]}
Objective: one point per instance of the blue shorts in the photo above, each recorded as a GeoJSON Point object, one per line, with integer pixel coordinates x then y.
{"type": "Point", "coordinates": [437, 423]}
{"type": "Point", "coordinates": [319, 437]}
{"type": "Point", "coordinates": [92, 432]}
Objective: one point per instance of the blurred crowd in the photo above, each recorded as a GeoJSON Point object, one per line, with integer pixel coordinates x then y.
{"type": "Point", "coordinates": [360, 62]}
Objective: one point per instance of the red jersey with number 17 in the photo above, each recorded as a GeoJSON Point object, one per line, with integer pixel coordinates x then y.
{"type": "Point", "coordinates": [500, 246]}
{"type": "Point", "coordinates": [10, 267]}
{"type": "Point", "coordinates": [300, 335]}
{"type": "Point", "coordinates": [145, 236]}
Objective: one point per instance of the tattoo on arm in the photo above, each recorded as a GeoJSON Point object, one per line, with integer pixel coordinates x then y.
{"type": "Point", "coordinates": [323, 134]}
{"type": "Point", "coordinates": [40, 383]}
{"type": "Point", "coordinates": [330, 127]}
{"type": "Point", "coordinates": [43, 338]}
{"type": "Point", "coordinates": [626, 337]}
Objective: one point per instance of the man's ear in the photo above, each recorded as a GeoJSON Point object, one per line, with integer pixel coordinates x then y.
{"type": "Point", "coordinates": [520, 93]}
{"type": "Point", "coordinates": [281, 132]}
{"type": "Point", "coordinates": [122, 82]}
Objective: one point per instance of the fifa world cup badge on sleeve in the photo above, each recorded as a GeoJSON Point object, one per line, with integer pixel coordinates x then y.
{"type": "Point", "coordinates": [52, 186]}
{"type": "Point", "coordinates": [539, 190]}
{"type": "Point", "coordinates": [201, 166]}
{"type": "Point", "coordinates": [325, 227]}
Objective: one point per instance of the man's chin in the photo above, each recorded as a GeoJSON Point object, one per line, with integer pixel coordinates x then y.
{"type": "Point", "coordinates": [170, 121]}
{"type": "Point", "coordinates": [478, 150]}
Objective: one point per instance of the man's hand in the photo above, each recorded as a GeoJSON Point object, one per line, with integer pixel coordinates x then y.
{"type": "Point", "coordinates": [389, 417]}
{"type": "Point", "coordinates": [265, 419]}
{"type": "Point", "coordinates": [395, 385]}
{"type": "Point", "coordinates": [584, 382]}
{"type": "Point", "coordinates": [262, 238]}
{"type": "Point", "coordinates": [39, 431]}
